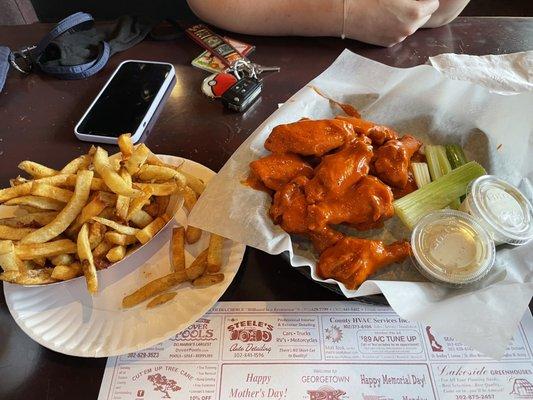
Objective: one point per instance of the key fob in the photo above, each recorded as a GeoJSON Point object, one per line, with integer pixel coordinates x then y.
{"type": "Point", "coordinates": [215, 85]}
{"type": "Point", "coordinates": [242, 94]}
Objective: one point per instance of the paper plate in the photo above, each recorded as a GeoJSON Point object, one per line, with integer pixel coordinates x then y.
{"type": "Point", "coordinates": [65, 318]}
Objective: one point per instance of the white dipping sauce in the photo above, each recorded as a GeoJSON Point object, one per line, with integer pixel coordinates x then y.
{"type": "Point", "coordinates": [451, 247]}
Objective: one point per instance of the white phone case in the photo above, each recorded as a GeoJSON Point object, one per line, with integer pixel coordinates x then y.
{"type": "Point", "coordinates": [149, 113]}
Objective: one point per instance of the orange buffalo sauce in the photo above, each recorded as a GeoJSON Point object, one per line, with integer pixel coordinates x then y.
{"type": "Point", "coordinates": [253, 182]}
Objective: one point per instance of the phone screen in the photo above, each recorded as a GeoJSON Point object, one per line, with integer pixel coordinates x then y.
{"type": "Point", "coordinates": [125, 101]}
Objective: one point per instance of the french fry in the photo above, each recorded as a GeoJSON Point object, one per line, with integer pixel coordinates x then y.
{"type": "Point", "coordinates": [24, 189]}
{"type": "Point", "coordinates": [214, 253]}
{"type": "Point", "coordinates": [115, 164]}
{"type": "Point", "coordinates": [32, 210]}
{"type": "Point", "coordinates": [124, 229]}
{"type": "Point", "coordinates": [10, 233]}
{"type": "Point", "coordinates": [51, 192]}
{"type": "Point", "coordinates": [82, 162]}
{"type": "Point", "coordinates": [86, 258]}
{"type": "Point", "coordinates": [195, 183]}
{"type": "Point", "coordinates": [141, 218]}
{"type": "Point", "coordinates": [29, 277]}
{"type": "Point", "coordinates": [107, 213]}
{"type": "Point", "coordinates": [125, 145]}
{"type": "Point", "coordinates": [192, 234]}
{"type": "Point", "coordinates": [110, 176]}
{"type": "Point", "coordinates": [102, 249]}
{"type": "Point", "coordinates": [30, 251]}
{"type": "Point", "coordinates": [137, 159]}
{"type": "Point", "coordinates": [55, 180]}
{"type": "Point", "coordinates": [96, 184]}
{"type": "Point", "coordinates": [208, 280]}
{"type": "Point", "coordinates": [66, 272]}
{"type": "Point", "coordinates": [152, 209]}
{"type": "Point", "coordinates": [159, 189]}
{"type": "Point", "coordinates": [39, 262]}
{"type": "Point", "coordinates": [96, 234]}
{"type": "Point", "coordinates": [28, 220]}
{"type": "Point", "coordinates": [62, 259]}
{"type": "Point", "coordinates": [162, 203]}
{"type": "Point", "coordinates": [178, 249]}
{"type": "Point", "coordinates": [19, 180]}
{"type": "Point", "coordinates": [149, 231]}
{"type": "Point", "coordinates": [40, 203]}
{"type": "Point", "coordinates": [189, 198]}
{"type": "Point", "coordinates": [36, 170]}
{"type": "Point", "coordinates": [154, 160]}
{"type": "Point", "coordinates": [67, 214]}
{"type": "Point", "coordinates": [15, 191]}
{"type": "Point", "coordinates": [123, 202]}
{"type": "Point", "coordinates": [156, 173]}
{"type": "Point", "coordinates": [161, 299]}
{"type": "Point", "coordinates": [138, 202]}
{"type": "Point", "coordinates": [119, 238]}
{"type": "Point", "coordinates": [198, 266]}
{"type": "Point", "coordinates": [8, 259]}
{"type": "Point", "coordinates": [92, 209]}
{"type": "Point", "coordinates": [153, 288]}
{"type": "Point", "coordinates": [9, 276]}
{"type": "Point", "coordinates": [117, 253]}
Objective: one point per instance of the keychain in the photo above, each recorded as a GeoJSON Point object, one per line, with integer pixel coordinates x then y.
{"type": "Point", "coordinates": [240, 84]}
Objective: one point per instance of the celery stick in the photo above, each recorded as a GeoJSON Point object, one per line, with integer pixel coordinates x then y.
{"type": "Point", "coordinates": [432, 157]}
{"type": "Point", "coordinates": [437, 161]}
{"type": "Point", "coordinates": [437, 194]}
{"type": "Point", "coordinates": [421, 173]}
{"type": "Point", "coordinates": [446, 168]}
{"type": "Point", "coordinates": [439, 165]}
{"type": "Point", "coordinates": [455, 155]}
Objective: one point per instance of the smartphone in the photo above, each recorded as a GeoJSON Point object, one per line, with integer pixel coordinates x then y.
{"type": "Point", "coordinates": [127, 102]}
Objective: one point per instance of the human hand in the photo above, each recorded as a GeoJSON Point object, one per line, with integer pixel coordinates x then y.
{"type": "Point", "coordinates": [386, 22]}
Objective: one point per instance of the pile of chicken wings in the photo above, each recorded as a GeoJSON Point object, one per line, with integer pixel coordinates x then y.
{"type": "Point", "coordinates": [346, 170]}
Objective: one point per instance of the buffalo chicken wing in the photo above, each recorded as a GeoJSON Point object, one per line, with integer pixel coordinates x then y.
{"type": "Point", "coordinates": [364, 206]}
{"type": "Point", "coordinates": [378, 134]}
{"type": "Point", "coordinates": [309, 138]}
{"type": "Point", "coordinates": [352, 260]}
{"type": "Point", "coordinates": [338, 171]}
{"type": "Point", "coordinates": [392, 160]}
{"type": "Point", "coordinates": [276, 170]}
{"type": "Point", "coordinates": [289, 210]}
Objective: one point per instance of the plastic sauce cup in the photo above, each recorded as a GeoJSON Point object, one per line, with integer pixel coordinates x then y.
{"type": "Point", "coordinates": [501, 209]}
{"type": "Point", "coordinates": [452, 248]}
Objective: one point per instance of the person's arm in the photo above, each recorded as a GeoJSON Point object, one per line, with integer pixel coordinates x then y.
{"type": "Point", "coordinates": [447, 12]}
{"type": "Point", "coordinates": [382, 22]}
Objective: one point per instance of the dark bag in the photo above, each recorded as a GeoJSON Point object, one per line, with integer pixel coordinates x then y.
{"type": "Point", "coordinates": [75, 48]}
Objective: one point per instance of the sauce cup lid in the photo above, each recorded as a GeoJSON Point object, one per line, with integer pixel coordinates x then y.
{"type": "Point", "coordinates": [505, 210]}
{"type": "Point", "coordinates": [451, 247]}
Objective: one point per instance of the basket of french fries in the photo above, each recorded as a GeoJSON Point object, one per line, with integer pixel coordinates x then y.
{"type": "Point", "coordinates": [92, 213]}
{"type": "Point", "coordinates": [116, 224]}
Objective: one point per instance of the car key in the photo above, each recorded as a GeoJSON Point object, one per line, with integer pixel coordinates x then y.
{"type": "Point", "coordinates": [242, 94]}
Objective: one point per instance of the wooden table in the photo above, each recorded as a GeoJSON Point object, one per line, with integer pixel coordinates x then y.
{"type": "Point", "coordinates": [38, 114]}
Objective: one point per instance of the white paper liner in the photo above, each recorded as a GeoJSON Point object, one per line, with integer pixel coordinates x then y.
{"type": "Point", "coordinates": [494, 130]}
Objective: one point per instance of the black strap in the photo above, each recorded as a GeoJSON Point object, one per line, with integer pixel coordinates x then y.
{"type": "Point", "coordinates": [25, 59]}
